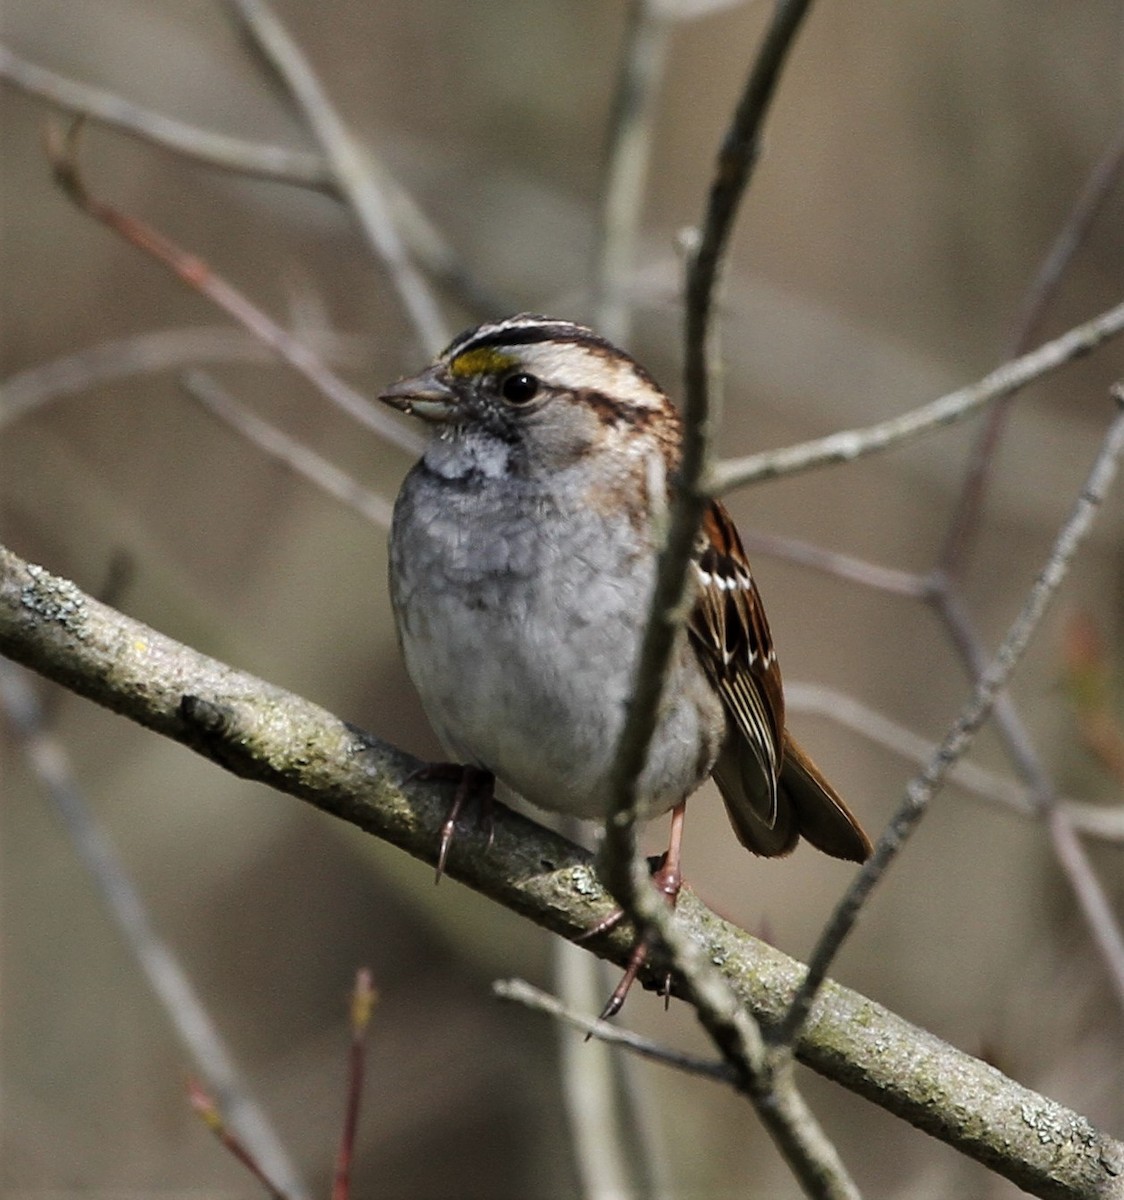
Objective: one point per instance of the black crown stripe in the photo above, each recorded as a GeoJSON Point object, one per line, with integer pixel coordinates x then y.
{"type": "Point", "coordinates": [531, 329]}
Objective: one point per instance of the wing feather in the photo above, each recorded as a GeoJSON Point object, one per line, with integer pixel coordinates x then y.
{"type": "Point", "coordinates": [731, 635]}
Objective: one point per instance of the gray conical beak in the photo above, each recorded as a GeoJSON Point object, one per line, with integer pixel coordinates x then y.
{"type": "Point", "coordinates": [426, 395]}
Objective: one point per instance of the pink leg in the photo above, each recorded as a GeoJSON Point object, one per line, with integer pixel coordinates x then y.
{"type": "Point", "coordinates": [668, 880]}
{"type": "Point", "coordinates": [473, 783]}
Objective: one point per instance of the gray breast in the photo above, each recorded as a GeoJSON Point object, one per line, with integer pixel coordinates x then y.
{"type": "Point", "coordinates": [519, 615]}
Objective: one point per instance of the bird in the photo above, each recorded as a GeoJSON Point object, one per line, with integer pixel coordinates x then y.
{"type": "Point", "coordinates": [522, 562]}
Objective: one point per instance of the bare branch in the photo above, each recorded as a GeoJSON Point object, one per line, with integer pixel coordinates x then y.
{"type": "Point", "coordinates": [766, 1077]}
{"type": "Point", "coordinates": [859, 718]}
{"type": "Point", "coordinates": [960, 736]}
{"type": "Point", "coordinates": [1090, 895]}
{"type": "Point", "coordinates": [519, 992]}
{"type": "Point", "coordinates": [1094, 820]}
{"type": "Point", "coordinates": [209, 1112]}
{"type": "Point", "coordinates": [833, 562]}
{"type": "Point", "coordinates": [363, 999]}
{"type": "Point", "coordinates": [1027, 761]}
{"type": "Point", "coordinates": [608, 1132]}
{"type": "Point", "coordinates": [255, 159]}
{"type": "Point", "coordinates": [146, 353]}
{"type": "Point", "coordinates": [351, 170]}
{"type": "Point", "coordinates": [851, 444]}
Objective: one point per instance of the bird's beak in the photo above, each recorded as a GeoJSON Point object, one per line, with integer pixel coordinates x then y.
{"type": "Point", "coordinates": [426, 395]}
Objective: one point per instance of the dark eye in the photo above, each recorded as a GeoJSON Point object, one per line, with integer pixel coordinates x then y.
{"type": "Point", "coordinates": [519, 388]}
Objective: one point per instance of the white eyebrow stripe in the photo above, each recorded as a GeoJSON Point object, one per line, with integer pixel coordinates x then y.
{"type": "Point", "coordinates": [576, 367]}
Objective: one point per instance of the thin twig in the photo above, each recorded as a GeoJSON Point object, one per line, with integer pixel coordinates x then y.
{"type": "Point", "coordinates": [517, 991]}
{"type": "Point", "coordinates": [169, 982]}
{"type": "Point", "coordinates": [605, 1102]}
{"type": "Point", "coordinates": [977, 476]}
{"type": "Point", "coordinates": [851, 444]}
{"type": "Point", "coordinates": [833, 562]}
{"type": "Point", "coordinates": [841, 708]}
{"type": "Point", "coordinates": [305, 462]}
{"type": "Point", "coordinates": [766, 1078]}
{"type": "Point", "coordinates": [349, 166]}
{"type": "Point", "coordinates": [868, 723]}
{"type": "Point", "coordinates": [1090, 895]}
{"type": "Point", "coordinates": [1027, 761]}
{"type": "Point", "coordinates": [198, 275]}
{"type": "Point", "coordinates": [598, 1107]}
{"type": "Point", "coordinates": [256, 159]}
{"type": "Point", "coordinates": [962, 732]}
{"type": "Point", "coordinates": [965, 521]}
{"type": "Point", "coordinates": [147, 353]}
{"type": "Point", "coordinates": [949, 605]}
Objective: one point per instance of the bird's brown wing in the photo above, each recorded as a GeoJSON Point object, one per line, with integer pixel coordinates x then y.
{"type": "Point", "coordinates": [772, 790]}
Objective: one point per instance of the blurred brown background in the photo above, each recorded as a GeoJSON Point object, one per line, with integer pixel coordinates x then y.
{"type": "Point", "coordinates": [919, 160]}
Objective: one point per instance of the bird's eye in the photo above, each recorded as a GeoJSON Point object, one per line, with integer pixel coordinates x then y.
{"type": "Point", "coordinates": [519, 388]}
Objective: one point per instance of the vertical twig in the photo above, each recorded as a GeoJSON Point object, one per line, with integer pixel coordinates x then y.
{"type": "Point", "coordinates": [605, 1100]}
{"type": "Point", "coordinates": [363, 999]}
{"type": "Point", "coordinates": [631, 123]}
{"type": "Point", "coordinates": [590, 1074]}
{"type": "Point", "coordinates": [766, 1075]}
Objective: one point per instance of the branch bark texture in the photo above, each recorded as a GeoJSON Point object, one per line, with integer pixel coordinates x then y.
{"type": "Point", "coordinates": [262, 732]}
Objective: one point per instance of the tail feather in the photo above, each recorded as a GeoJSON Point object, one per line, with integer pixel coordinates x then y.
{"type": "Point", "coordinates": [807, 805]}
{"type": "Point", "coordinates": [823, 817]}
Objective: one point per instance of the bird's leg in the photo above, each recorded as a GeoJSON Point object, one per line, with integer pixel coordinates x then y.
{"type": "Point", "coordinates": [473, 783]}
{"type": "Point", "coordinates": [669, 880]}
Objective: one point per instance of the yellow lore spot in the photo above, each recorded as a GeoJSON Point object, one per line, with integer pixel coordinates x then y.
{"type": "Point", "coordinates": [482, 361]}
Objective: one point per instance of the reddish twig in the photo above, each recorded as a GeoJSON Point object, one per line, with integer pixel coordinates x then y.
{"type": "Point", "coordinates": [362, 1004]}
{"type": "Point", "coordinates": [977, 477]}
{"type": "Point", "coordinates": [200, 277]}
{"type": "Point", "coordinates": [208, 1112]}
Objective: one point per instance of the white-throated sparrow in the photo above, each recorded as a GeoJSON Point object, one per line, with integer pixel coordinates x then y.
{"type": "Point", "coordinates": [522, 561]}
